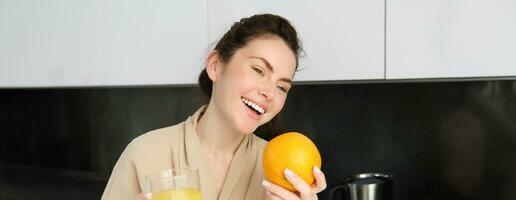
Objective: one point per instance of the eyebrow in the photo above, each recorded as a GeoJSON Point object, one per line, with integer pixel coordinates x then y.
{"type": "Point", "coordinates": [269, 66]}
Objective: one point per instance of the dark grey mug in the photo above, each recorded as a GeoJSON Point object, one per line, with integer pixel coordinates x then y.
{"type": "Point", "coordinates": [365, 186]}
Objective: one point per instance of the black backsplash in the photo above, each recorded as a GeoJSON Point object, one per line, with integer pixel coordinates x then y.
{"type": "Point", "coordinates": [450, 140]}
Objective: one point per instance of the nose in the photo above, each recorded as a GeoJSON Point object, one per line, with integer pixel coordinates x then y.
{"type": "Point", "coordinates": [267, 92]}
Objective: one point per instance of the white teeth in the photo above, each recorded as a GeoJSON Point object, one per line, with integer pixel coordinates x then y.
{"type": "Point", "coordinates": [254, 106]}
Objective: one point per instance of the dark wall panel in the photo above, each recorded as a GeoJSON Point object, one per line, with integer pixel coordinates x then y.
{"type": "Point", "coordinates": [453, 140]}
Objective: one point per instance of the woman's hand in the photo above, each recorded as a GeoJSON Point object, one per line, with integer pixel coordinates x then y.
{"type": "Point", "coordinates": [304, 191]}
{"type": "Point", "coordinates": [144, 196]}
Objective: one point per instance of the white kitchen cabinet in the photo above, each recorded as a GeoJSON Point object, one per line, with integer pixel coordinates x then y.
{"type": "Point", "coordinates": [343, 40]}
{"type": "Point", "coordinates": [50, 43]}
{"type": "Point", "coordinates": [450, 39]}
{"type": "Point", "coordinates": [68, 43]}
{"type": "Point", "coordinates": [153, 42]}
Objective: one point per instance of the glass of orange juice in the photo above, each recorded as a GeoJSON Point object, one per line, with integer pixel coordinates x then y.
{"type": "Point", "coordinates": [175, 184]}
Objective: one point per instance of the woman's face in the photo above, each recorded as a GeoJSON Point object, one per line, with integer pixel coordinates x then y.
{"type": "Point", "coordinates": [252, 87]}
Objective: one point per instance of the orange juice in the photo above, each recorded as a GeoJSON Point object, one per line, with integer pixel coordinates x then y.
{"type": "Point", "coordinates": [178, 194]}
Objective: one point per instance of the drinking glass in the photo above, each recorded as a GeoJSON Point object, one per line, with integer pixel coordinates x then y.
{"type": "Point", "coordinates": [175, 184]}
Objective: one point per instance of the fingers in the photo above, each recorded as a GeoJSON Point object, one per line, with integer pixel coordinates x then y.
{"type": "Point", "coordinates": [320, 180]}
{"type": "Point", "coordinates": [274, 191]}
{"type": "Point", "coordinates": [144, 196]}
{"type": "Point", "coordinates": [301, 186]}
{"type": "Point", "coordinates": [271, 196]}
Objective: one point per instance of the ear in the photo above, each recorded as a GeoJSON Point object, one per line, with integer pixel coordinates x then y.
{"type": "Point", "coordinates": [213, 66]}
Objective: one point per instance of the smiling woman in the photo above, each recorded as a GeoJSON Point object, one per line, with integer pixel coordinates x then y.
{"type": "Point", "coordinates": [263, 27]}
{"type": "Point", "coordinates": [246, 82]}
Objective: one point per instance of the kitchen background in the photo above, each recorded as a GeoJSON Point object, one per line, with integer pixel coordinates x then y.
{"type": "Point", "coordinates": [442, 140]}
{"type": "Point", "coordinates": [423, 89]}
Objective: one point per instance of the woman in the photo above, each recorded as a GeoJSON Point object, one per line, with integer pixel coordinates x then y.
{"type": "Point", "coordinates": [246, 82]}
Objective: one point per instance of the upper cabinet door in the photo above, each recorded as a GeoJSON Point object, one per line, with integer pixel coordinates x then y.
{"type": "Point", "coordinates": [50, 43]}
{"type": "Point", "coordinates": [153, 42]}
{"type": "Point", "coordinates": [443, 39]}
{"type": "Point", "coordinates": [343, 40]}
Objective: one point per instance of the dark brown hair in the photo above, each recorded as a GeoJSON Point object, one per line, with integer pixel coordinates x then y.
{"type": "Point", "coordinates": [237, 37]}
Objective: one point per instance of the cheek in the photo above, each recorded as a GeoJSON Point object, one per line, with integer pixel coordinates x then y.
{"type": "Point", "coordinates": [278, 104]}
{"type": "Point", "coordinates": [243, 77]}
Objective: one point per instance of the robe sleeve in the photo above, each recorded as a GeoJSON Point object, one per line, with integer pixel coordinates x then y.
{"type": "Point", "coordinates": [123, 183]}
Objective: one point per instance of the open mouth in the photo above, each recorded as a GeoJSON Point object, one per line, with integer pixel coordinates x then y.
{"type": "Point", "coordinates": [256, 108]}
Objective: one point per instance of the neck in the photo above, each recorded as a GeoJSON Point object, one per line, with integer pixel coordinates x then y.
{"type": "Point", "coordinates": [215, 136]}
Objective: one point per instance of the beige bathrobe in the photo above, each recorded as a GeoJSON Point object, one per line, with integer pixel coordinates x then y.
{"type": "Point", "coordinates": [178, 146]}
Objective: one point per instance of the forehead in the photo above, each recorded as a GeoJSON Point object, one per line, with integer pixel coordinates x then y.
{"type": "Point", "coordinates": [274, 50]}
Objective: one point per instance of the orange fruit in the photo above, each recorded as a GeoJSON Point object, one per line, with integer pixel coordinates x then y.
{"type": "Point", "coordinates": [294, 151]}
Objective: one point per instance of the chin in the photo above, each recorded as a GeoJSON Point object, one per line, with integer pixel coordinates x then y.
{"type": "Point", "coordinates": [249, 130]}
{"type": "Point", "coordinates": [246, 128]}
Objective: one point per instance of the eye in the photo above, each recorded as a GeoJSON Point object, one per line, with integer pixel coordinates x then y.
{"type": "Point", "coordinates": [258, 70]}
{"type": "Point", "coordinates": [283, 89]}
